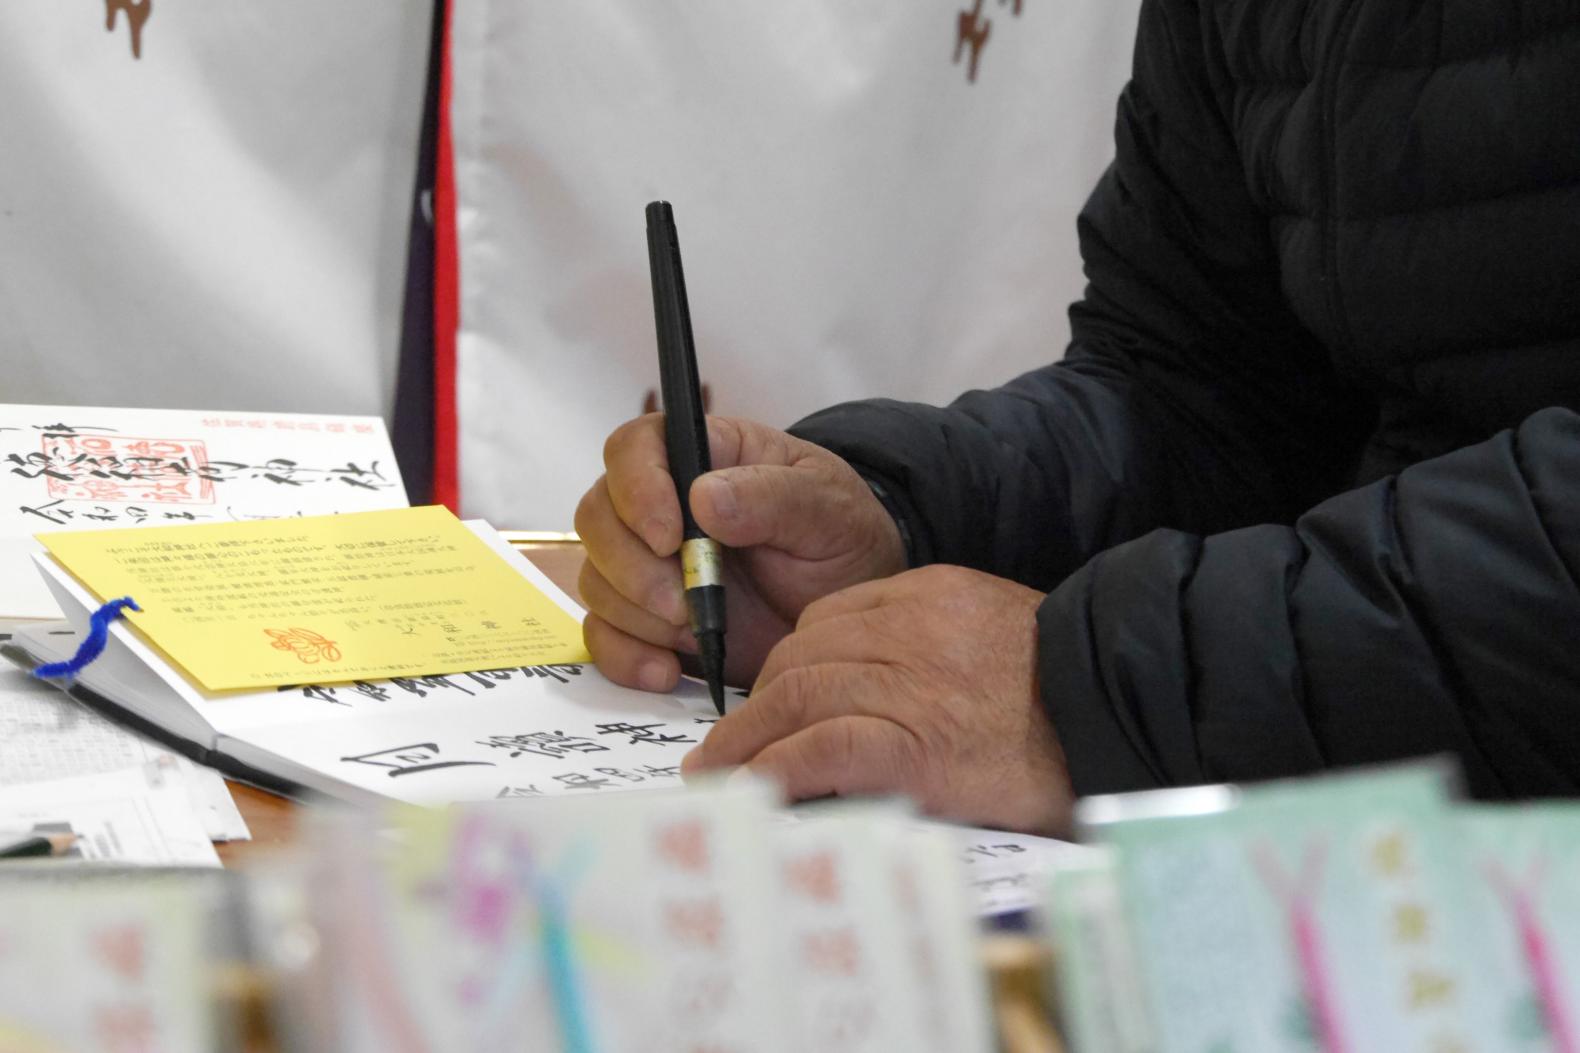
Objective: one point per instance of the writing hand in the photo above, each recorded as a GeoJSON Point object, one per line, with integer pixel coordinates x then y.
{"type": "Point", "coordinates": [922, 684]}
{"type": "Point", "coordinates": [798, 523]}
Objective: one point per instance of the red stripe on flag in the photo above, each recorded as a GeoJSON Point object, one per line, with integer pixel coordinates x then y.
{"type": "Point", "coordinates": [446, 296]}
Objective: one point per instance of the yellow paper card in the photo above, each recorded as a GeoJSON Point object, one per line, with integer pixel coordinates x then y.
{"type": "Point", "coordinates": [364, 596]}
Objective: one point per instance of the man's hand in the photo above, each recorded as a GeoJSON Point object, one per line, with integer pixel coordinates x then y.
{"type": "Point", "coordinates": [922, 684]}
{"type": "Point", "coordinates": [798, 521]}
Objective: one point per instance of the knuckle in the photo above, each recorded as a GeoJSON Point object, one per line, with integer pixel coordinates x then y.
{"type": "Point", "coordinates": [773, 664]}
{"type": "Point", "coordinates": [658, 594]}
{"type": "Point", "coordinates": [616, 654]}
{"type": "Point", "coordinates": [787, 661]}
{"type": "Point", "coordinates": [782, 494]}
{"type": "Point", "coordinates": [776, 446]}
{"type": "Point", "coordinates": [832, 466]}
{"type": "Point", "coordinates": [588, 581]}
{"type": "Point", "coordinates": [903, 637]}
{"type": "Point", "coordinates": [593, 636]}
{"type": "Point", "coordinates": [840, 748]}
{"type": "Point", "coordinates": [944, 582]}
{"type": "Point", "coordinates": [728, 741]}
{"type": "Point", "coordinates": [812, 612]}
{"type": "Point", "coordinates": [755, 441]}
{"type": "Point", "coordinates": [616, 615]}
{"type": "Point", "coordinates": [723, 432]}
{"type": "Point", "coordinates": [589, 508]}
{"type": "Point", "coordinates": [797, 689]}
{"type": "Point", "coordinates": [597, 594]}
{"type": "Point", "coordinates": [616, 441]}
{"type": "Point", "coordinates": [722, 743]}
{"type": "Point", "coordinates": [908, 760]}
{"type": "Point", "coordinates": [627, 435]}
{"type": "Point", "coordinates": [944, 575]}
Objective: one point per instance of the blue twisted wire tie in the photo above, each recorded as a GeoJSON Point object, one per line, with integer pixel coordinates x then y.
{"type": "Point", "coordinates": [92, 645]}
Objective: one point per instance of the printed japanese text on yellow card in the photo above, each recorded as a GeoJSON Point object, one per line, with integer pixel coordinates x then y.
{"type": "Point", "coordinates": [369, 595]}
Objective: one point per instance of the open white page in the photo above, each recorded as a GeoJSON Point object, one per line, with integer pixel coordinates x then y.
{"type": "Point", "coordinates": [535, 732]}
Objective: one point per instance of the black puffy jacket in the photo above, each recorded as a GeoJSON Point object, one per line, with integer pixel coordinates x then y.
{"type": "Point", "coordinates": [1306, 486]}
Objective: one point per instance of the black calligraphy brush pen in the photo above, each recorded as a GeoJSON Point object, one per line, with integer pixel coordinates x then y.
{"type": "Point", "coordinates": [686, 440]}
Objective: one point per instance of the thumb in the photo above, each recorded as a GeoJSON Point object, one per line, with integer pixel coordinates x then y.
{"type": "Point", "coordinates": [735, 441]}
{"type": "Point", "coordinates": [803, 509]}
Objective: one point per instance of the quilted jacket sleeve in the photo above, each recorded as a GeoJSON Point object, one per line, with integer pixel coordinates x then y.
{"type": "Point", "coordinates": [1190, 396]}
{"type": "Point", "coordinates": [1436, 611]}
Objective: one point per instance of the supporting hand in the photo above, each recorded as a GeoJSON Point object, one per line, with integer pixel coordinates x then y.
{"type": "Point", "coordinates": [922, 684]}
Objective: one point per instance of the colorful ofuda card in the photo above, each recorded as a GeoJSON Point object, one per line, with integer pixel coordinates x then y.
{"type": "Point", "coordinates": [628, 923]}
{"type": "Point", "coordinates": [1521, 866]}
{"type": "Point", "coordinates": [104, 961]}
{"type": "Point", "coordinates": [1318, 915]}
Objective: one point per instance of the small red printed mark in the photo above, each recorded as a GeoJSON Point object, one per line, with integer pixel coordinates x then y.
{"type": "Point", "coordinates": [121, 949]}
{"type": "Point", "coordinates": [699, 923]}
{"type": "Point", "coordinates": [835, 951]}
{"type": "Point", "coordinates": [815, 877]}
{"type": "Point", "coordinates": [685, 845]}
{"type": "Point", "coordinates": [309, 647]}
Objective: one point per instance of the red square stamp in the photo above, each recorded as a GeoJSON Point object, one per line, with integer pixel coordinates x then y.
{"type": "Point", "coordinates": [126, 468]}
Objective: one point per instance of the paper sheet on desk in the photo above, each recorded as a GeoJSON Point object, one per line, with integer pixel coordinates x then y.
{"type": "Point", "coordinates": [46, 734]}
{"type": "Point", "coordinates": [1005, 870]}
{"type": "Point", "coordinates": [138, 816]}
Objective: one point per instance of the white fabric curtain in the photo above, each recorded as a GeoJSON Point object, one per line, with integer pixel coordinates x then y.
{"type": "Point", "coordinates": [217, 219]}
{"type": "Point", "coordinates": [858, 216]}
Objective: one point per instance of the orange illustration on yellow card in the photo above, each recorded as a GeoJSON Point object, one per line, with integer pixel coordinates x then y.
{"type": "Point", "coordinates": [309, 647]}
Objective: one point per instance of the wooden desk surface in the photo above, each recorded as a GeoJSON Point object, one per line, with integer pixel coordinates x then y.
{"type": "Point", "coordinates": [272, 819]}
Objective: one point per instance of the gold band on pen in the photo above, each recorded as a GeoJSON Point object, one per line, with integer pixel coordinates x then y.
{"type": "Point", "coordinates": [701, 563]}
